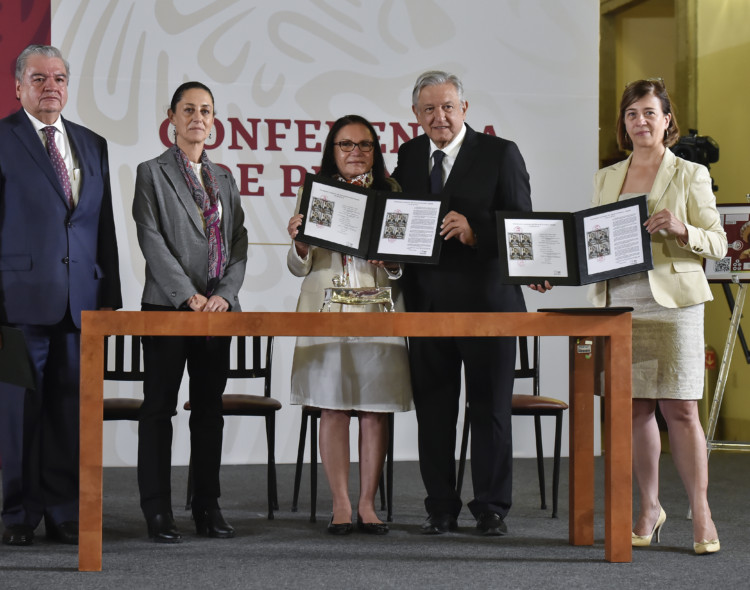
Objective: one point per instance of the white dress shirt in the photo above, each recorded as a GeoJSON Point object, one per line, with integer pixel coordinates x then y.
{"type": "Point", "coordinates": [450, 151]}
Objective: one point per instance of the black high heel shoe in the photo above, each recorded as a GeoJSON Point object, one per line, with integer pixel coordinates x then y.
{"type": "Point", "coordinates": [343, 528]}
{"type": "Point", "coordinates": [211, 523]}
{"type": "Point", "coordinates": [372, 528]}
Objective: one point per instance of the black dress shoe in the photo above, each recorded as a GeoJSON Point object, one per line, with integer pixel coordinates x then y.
{"type": "Point", "coordinates": [343, 528]}
{"type": "Point", "coordinates": [162, 528]}
{"type": "Point", "coordinates": [211, 523]}
{"type": "Point", "coordinates": [437, 524]}
{"type": "Point", "coordinates": [372, 528]}
{"type": "Point", "coordinates": [64, 532]}
{"type": "Point", "coordinates": [18, 535]}
{"type": "Point", "coordinates": [492, 524]}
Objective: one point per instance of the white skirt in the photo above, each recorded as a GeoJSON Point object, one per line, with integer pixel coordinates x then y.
{"type": "Point", "coordinates": [356, 373]}
{"type": "Point", "coordinates": [668, 345]}
{"type": "Point", "coordinates": [368, 374]}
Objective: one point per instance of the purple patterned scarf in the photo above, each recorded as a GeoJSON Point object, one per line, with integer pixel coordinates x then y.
{"type": "Point", "coordinates": [208, 202]}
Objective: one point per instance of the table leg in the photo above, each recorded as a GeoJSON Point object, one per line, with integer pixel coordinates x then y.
{"type": "Point", "coordinates": [581, 417]}
{"type": "Point", "coordinates": [618, 483]}
{"type": "Point", "coordinates": [90, 501]}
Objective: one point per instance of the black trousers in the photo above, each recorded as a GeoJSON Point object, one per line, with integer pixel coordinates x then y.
{"type": "Point", "coordinates": [489, 365]}
{"type": "Point", "coordinates": [164, 360]}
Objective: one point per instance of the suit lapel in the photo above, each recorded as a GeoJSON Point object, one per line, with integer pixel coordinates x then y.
{"type": "Point", "coordinates": [83, 158]}
{"type": "Point", "coordinates": [614, 180]}
{"type": "Point", "coordinates": [28, 137]}
{"type": "Point", "coordinates": [226, 208]}
{"type": "Point", "coordinates": [463, 161]}
{"type": "Point", "coordinates": [172, 172]}
{"type": "Point", "coordinates": [420, 172]}
{"type": "Point", "coordinates": [667, 170]}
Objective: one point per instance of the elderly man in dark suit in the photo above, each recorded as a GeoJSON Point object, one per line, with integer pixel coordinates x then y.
{"type": "Point", "coordinates": [481, 174]}
{"type": "Point", "coordinates": [58, 256]}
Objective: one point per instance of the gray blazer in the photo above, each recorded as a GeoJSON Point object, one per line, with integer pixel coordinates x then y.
{"type": "Point", "coordinates": [172, 238]}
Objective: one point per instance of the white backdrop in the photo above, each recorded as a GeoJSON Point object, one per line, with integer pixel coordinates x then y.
{"type": "Point", "coordinates": [279, 71]}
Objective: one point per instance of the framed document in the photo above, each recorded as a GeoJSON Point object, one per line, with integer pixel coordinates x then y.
{"type": "Point", "coordinates": [575, 248]}
{"type": "Point", "coordinates": [735, 266]}
{"type": "Point", "coordinates": [371, 224]}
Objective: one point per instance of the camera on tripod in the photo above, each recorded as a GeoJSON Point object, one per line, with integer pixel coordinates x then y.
{"type": "Point", "coordinates": [701, 149]}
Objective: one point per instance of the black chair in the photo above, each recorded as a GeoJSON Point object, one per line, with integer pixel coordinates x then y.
{"type": "Point", "coordinates": [528, 405]}
{"type": "Point", "coordinates": [128, 408]}
{"type": "Point", "coordinates": [386, 478]}
{"type": "Point", "coordinates": [123, 408]}
{"type": "Point", "coordinates": [240, 404]}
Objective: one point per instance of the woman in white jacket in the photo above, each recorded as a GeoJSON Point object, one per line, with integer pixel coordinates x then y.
{"type": "Point", "coordinates": [338, 375]}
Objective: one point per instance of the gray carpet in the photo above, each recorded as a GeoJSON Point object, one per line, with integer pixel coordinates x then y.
{"type": "Point", "coordinates": [291, 552]}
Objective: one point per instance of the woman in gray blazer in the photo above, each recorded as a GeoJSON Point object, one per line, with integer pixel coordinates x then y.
{"type": "Point", "coordinates": [190, 229]}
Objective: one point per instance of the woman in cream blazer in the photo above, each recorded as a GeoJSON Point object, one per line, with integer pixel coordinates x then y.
{"type": "Point", "coordinates": [684, 188]}
{"type": "Point", "coordinates": [668, 303]}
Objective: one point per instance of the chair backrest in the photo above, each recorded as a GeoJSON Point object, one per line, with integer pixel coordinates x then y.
{"type": "Point", "coordinates": [120, 371]}
{"type": "Point", "coordinates": [126, 366]}
{"type": "Point", "coordinates": [528, 369]}
{"type": "Point", "coordinates": [257, 369]}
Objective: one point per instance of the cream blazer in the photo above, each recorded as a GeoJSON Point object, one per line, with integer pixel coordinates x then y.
{"type": "Point", "coordinates": [677, 279]}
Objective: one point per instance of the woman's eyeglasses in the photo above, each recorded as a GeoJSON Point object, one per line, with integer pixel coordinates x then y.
{"type": "Point", "coordinates": [348, 146]}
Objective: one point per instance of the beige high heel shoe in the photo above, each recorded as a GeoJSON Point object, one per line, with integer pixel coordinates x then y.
{"type": "Point", "coordinates": [645, 540]}
{"type": "Point", "coordinates": [706, 546]}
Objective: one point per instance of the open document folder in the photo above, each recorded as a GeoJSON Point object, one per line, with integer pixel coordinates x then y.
{"type": "Point", "coordinates": [575, 248]}
{"type": "Point", "coordinates": [371, 224]}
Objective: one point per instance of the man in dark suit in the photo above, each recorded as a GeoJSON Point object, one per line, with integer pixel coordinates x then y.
{"type": "Point", "coordinates": [481, 174]}
{"type": "Point", "coordinates": [58, 256]}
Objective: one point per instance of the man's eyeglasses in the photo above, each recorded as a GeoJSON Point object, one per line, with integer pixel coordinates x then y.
{"type": "Point", "coordinates": [348, 146]}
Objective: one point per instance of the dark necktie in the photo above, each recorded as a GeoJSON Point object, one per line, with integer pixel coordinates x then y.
{"type": "Point", "coordinates": [436, 175]}
{"type": "Point", "coordinates": [59, 164]}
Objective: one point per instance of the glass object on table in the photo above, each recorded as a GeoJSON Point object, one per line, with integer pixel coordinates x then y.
{"type": "Point", "coordinates": [345, 295]}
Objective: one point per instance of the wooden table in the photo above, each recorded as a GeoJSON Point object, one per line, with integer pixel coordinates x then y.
{"type": "Point", "coordinates": [581, 328]}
